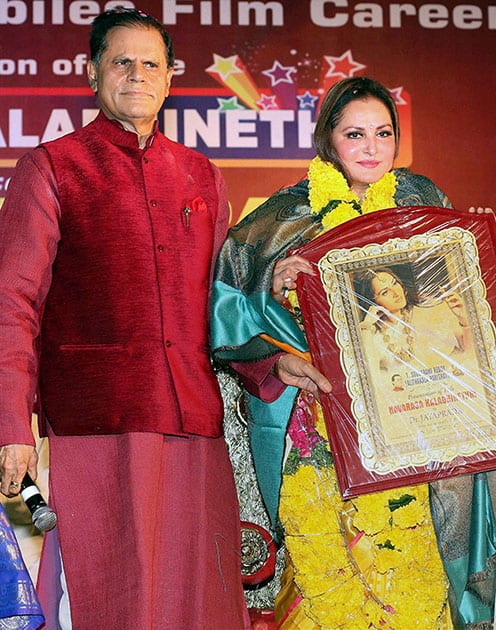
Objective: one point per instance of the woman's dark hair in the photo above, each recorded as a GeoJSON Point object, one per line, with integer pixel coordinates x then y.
{"type": "Point", "coordinates": [331, 112]}
{"type": "Point", "coordinates": [364, 292]}
{"type": "Point", "coordinates": [122, 16]}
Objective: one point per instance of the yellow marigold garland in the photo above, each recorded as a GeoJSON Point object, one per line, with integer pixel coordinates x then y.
{"type": "Point", "coordinates": [330, 195]}
{"type": "Point", "coordinates": [390, 576]}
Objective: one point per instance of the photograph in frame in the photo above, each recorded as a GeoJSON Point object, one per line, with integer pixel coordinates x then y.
{"type": "Point", "coordinates": [403, 327]}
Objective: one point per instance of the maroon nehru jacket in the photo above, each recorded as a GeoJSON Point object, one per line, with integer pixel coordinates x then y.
{"type": "Point", "coordinates": [124, 343]}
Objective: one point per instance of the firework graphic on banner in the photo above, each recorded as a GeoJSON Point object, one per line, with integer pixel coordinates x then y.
{"type": "Point", "coordinates": [282, 91]}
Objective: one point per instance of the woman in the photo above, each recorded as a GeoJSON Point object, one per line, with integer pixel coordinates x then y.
{"type": "Point", "coordinates": [371, 562]}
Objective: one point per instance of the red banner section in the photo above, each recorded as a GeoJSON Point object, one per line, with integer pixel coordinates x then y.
{"type": "Point", "coordinates": [249, 78]}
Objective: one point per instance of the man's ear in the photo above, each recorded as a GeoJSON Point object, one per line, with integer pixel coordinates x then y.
{"type": "Point", "coordinates": [168, 79]}
{"type": "Point", "coordinates": [92, 76]}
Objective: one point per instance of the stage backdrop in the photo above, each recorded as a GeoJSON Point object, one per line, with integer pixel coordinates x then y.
{"type": "Point", "coordinates": [250, 75]}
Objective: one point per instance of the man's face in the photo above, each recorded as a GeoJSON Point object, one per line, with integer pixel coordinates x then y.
{"type": "Point", "coordinates": [132, 79]}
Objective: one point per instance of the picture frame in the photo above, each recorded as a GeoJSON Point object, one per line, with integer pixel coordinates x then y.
{"type": "Point", "coordinates": [413, 379]}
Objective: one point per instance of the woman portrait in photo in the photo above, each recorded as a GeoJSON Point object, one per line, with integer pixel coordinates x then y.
{"type": "Point", "coordinates": [399, 332]}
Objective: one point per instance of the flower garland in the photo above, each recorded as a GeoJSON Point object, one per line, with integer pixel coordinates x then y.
{"type": "Point", "coordinates": [361, 564]}
{"type": "Point", "coordinates": [332, 198]}
{"type": "Point", "coordinates": [371, 562]}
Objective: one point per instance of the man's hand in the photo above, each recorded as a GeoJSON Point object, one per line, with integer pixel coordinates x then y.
{"type": "Point", "coordinates": [293, 370]}
{"type": "Point", "coordinates": [15, 460]}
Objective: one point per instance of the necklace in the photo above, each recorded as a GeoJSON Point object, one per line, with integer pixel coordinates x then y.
{"type": "Point", "coordinates": [331, 197]}
{"type": "Point", "coordinates": [398, 337]}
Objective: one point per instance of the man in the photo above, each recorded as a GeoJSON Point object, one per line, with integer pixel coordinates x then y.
{"type": "Point", "coordinates": [397, 383]}
{"type": "Point", "coordinates": [107, 241]}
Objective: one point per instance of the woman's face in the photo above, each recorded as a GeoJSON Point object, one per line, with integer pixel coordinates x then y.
{"type": "Point", "coordinates": [388, 292]}
{"type": "Point", "coordinates": [364, 141]}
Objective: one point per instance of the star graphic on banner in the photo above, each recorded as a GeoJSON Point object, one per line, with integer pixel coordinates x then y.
{"type": "Point", "coordinates": [343, 66]}
{"type": "Point", "coordinates": [397, 96]}
{"type": "Point", "coordinates": [268, 102]}
{"type": "Point", "coordinates": [307, 100]}
{"type": "Point", "coordinates": [224, 66]}
{"type": "Point", "coordinates": [279, 74]}
{"type": "Point", "coordinates": [229, 104]}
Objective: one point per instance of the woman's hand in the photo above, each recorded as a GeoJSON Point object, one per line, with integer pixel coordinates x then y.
{"type": "Point", "coordinates": [480, 210]}
{"type": "Point", "coordinates": [285, 273]}
{"type": "Point", "coordinates": [455, 303]}
{"type": "Point", "coordinates": [295, 371]}
{"type": "Point", "coordinates": [374, 316]}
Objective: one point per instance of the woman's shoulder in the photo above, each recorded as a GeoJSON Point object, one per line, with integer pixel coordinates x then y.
{"type": "Point", "coordinates": [287, 204]}
{"type": "Point", "coordinates": [437, 316]}
{"type": "Point", "coordinates": [406, 176]}
{"type": "Point", "coordinates": [418, 190]}
{"type": "Point", "coordinates": [293, 197]}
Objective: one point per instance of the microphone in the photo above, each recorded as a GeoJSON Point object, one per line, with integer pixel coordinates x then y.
{"type": "Point", "coordinates": [43, 517]}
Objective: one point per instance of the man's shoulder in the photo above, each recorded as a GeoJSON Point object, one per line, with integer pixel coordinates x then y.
{"type": "Point", "coordinates": [78, 135]}
{"type": "Point", "coordinates": [181, 150]}
{"type": "Point", "coordinates": [188, 160]}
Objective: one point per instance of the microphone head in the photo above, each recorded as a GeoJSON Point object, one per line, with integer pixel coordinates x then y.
{"type": "Point", "coordinates": [44, 519]}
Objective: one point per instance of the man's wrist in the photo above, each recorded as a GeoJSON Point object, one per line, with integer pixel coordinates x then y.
{"type": "Point", "coordinates": [275, 366]}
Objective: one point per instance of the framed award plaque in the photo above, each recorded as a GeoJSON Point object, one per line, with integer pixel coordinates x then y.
{"type": "Point", "coordinates": [399, 317]}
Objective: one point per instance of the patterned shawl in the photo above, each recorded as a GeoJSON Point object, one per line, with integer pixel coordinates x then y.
{"type": "Point", "coordinates": [243, 309]}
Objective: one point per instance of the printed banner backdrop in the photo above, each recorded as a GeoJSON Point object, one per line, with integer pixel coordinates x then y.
{"type": "Point", "coordinates": [250, 75]}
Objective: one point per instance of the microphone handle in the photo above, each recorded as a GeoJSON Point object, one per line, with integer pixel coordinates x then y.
{"type": "Point", "coordinates": [42, 516]}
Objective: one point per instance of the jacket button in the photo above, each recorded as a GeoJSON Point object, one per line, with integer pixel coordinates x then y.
{"type": "Point", "coordinates": [168, 343]}
{"type": "Point", "coordinates": [160, 248]}
{"type": "Point", "coordinates": [153, 203]}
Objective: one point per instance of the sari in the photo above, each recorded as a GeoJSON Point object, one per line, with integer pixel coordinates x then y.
{"type": "Point", "coordinates": [19, 605]}
{"type": "Point", "coordinates": [458, 524]}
